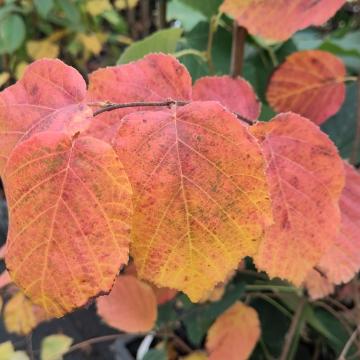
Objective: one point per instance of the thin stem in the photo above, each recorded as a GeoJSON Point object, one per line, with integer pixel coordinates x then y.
{"type": "Point", "coordinates": [348, 344]}
{"type": "Point", "coordinates": [356, 145]}
{"type": "Point", "coordinates": [109, 106]}
{"type": "Point", "coordinates": [272, 55]}
{"type": "Point", "coordinates": [237, 50]}
{"type": "Point", "coordinates": [293, 332]}
{"type": "Point", "coordinates": [212, 30]}
{"type": "Point", "coordinates": [96, 340]}
{"type": "Point", "coordinates": [200, 54]}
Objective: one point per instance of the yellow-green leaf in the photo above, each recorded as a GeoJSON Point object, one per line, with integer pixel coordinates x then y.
{"type": "Point", "coordinates": [53, 347]}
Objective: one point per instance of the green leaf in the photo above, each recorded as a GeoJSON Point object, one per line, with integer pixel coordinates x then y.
{"type": "Point", "coordinates": [274, 325]}
{"type": "Point", "coordinates": [207, 8]}
{"type": "Point", "coordinates": [197, 39]}
{"type": "Point", "coordinates": [335, 334]}
{"type": "Point", "coordinates": [54, 346]}
{"type": "Point", "coordinates": [43, 7]}
{"type": "Point", "coordinates": [155, 354]}
{"type": "Point", "coordinates": [200, 316]}
{"type": "Point", "coordinates": [7, 352]}
{"type": "Point", "coordinates": [176, 9]}
{"type": "Point", "coordinates": [161, 41]}
{"type": "Point", "coordinates": [12, 33]}
{"type": "Point", "coordinates": [342, 127]}
{"type": "Point", "coordinates": [71, 12]}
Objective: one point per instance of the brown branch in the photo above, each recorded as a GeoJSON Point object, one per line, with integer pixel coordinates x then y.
{"type": "Point", "coordinates": [356, 145]}
{"type": "Point", "coordinates": [105, 107]}
{"type": "Point", "coordinates": [145, 17]}
{"type": "Point", "coordinates": [161, 14]}
{"type": "Point", "coordinates": [111, 106]}
{"type": "Point", "coordinates": [237, 51]}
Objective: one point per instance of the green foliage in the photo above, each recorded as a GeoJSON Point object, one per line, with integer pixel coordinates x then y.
{"type": "Point", "coordinates": [163, 41]}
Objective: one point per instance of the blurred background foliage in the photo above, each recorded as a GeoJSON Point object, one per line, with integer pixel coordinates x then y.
{"type": "Point", "coordinates": [89, 34]}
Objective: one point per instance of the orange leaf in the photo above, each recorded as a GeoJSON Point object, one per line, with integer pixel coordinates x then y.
{"type": "Point", "coordinates": [234, 334]}
{"type": "Point", "coordinates": [310, 83]}
{"type": "Point", "coordinates": [342, 260]}
{"type": "Point", "coordinates": [279, 19]}
{"type": "Point", "coordinates": [131, 305]}
{"type": "Point", "coordinates": [50, 96]}
{"type": "Point", "coordinates": [162, 294]}
{"type": "Point", "coordinates": [156, 77]}
{"type": "Point", "coordinates": [201, 198]}
{"type": "Point", "coordinates": [21, 316]}
{"type": "Point", "coordinates": [317, 285]}
{"type": "Point", "coordinates": [70, 208]}
{"type": "Point", "coordinates": [306, 177]}
{"type": "Point", "coordinates": [236, 95]}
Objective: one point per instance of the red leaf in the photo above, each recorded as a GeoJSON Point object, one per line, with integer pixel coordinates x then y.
{"type": "Point", "coordinates": [70, 210]}
{"type": "Point", "coordinates": [236, 95]}
{"type": "Point", "coordinates": [342, 260]}
{"type": "Point", "coordinates": [234, 334]}
{"type": "Point", "coordinates": [50, 96]}
{"type": "Point", "coordinates": [306, 177]}
{"type": "Point", "coordinates": [310, 83]}
{"type": "Point", "coordinates": [131, 305]}
{"type": "Point", "coordinates": [278, 19]}
{"type": "Point", "coordinates": [156, 77]}
{"type": "Point", "coordinates": [318, 285]}
{"type": "Point", "coordinates": [201, 198]}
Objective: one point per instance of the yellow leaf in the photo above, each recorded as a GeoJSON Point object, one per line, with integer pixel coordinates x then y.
{"type": "Point", "coordinates": [197, 355]}
{"type": "Point", "coordinates": [21, 316]}
{"type": "Point", "coordinates": [97, 7]}
{"type": "Point", "coordinates": [125, 4]}
{"type": "Point", "coordinates": [38, 49]}
{"type": "Point", "coordinates": [7, 352]}
{"type": "Point", "coordinates": [91, 42]}
{"type": "Point", "coordinates": [54, 346]}
{"type": "Point", "coordinates": [20, 69]}
{"type": "Point", "coordinates": [4, 77]}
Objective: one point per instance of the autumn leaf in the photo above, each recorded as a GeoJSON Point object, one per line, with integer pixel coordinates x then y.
{"type": "Point", "coordinates": [156, 77]}
{"type": "Point", "coordinates": [277, 19]}
{"type": "Point", "coordinates": [306, 177]}
{"type": "Point", "coordinates": [97, 7]}
{"type": "Point", "coordinates": [236, 95]}
{"type": "Point", "coordinates": [38, 49]}
{"type": "Point", "coordinates": [342, 260]}
{"type": "Point", "coordinates": [131, 306]}
{"type": "Point", "coordinates": [50, 96]}
{"type": "Point", "coordinates": [21, 316]}
{"type": "Point", "coordinates": [200, 193]}
{"type": "Point", "coordinates": [234, 334]}
{"type": "Point", "coordinates": [162, 294]}
{"type": "Point", "coordinates": [317, 285]}
{"type": "Point", "coordinates": [54, 346]}
{"type": "Point", "coordinates": [7, 352]}
{"type": "Point", "coordinates": [70, 209]}
{"type": "Point", "coordinates": [310, 83]}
